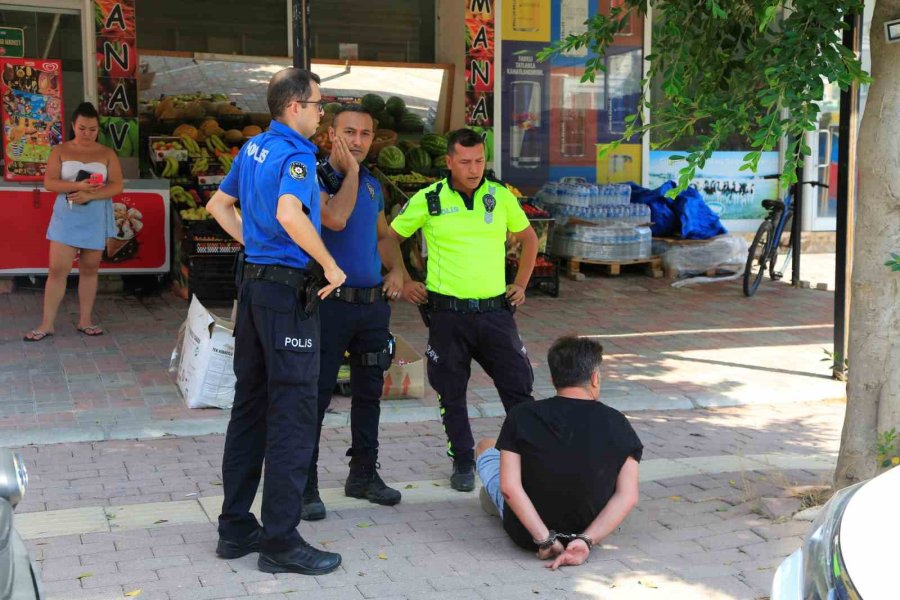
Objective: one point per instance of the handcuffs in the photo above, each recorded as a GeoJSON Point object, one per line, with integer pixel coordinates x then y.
{"type": "Point", "coordinates": [565, 538]}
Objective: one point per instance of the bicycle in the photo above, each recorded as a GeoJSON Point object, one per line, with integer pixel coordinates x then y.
{"type": "Point", "coordinates": [764, 248]}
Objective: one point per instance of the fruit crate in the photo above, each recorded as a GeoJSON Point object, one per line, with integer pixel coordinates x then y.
{"type": "Point", "coordinates": [196, 229]}
{"type": "Point", "coordinates": [545, 276]}
{"type": "Point", "coordinates": [210, 245]}
{"type": "Point", "coordinates": [211, 278]}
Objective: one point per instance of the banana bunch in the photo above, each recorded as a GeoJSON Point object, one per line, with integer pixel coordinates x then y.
{"type": "Point", "coordinates": [215, 144]}
{"type": "Point", "coordinates": [182, 196]}
{"type": "Point", "coordinates": [200, 166]}
{"type": "Point", "coordinates": [192, 147]}
{"type": "Point", "coordinates": [195, 214]}
{"type": "Point", "coordinates": [171, 168]}
{"type": "Point", "coordinates": [226, 161]}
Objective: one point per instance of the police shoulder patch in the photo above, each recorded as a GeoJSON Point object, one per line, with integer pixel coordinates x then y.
{"type": "Point", "coordinates": [297, 170]}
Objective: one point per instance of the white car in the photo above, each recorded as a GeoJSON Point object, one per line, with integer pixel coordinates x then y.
{"type": "Point", "coordinates": [18, 578]}
{"type": "Point", "coordinates": [850, 552]}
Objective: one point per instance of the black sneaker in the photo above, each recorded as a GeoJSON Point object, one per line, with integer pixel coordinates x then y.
{"type": "Point", "coordinates": [304, 559]}
{"type": "Point", "coordinates": [228, 549]}
{"type": "Point", "coordinates": [463, 478]}
{"type": "Point", "coordinates": [364, 482]}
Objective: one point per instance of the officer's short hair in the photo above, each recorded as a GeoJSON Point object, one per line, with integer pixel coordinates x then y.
{"type": "Point", "coordinates": [573, 360]}
{"type": "Point", "coordinates": [288, 85]}
{"type": "Point", "coordinates": [353, 108]}
{"type": "Point", "coordinates": [464, 137]}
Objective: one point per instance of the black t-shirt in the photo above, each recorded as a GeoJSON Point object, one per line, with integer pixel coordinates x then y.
{"type": "Point", "coordinates": [572, 451]}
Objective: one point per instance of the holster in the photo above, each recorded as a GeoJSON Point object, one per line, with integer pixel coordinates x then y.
{"type": "Point", "coordinates": [381, 359]}
{"type": "Point", "coordinates": [425, 311]}
{"type": "Point", "coordinates": [314, 282]}
{"type": "Point", "coordinates": [239, 269]}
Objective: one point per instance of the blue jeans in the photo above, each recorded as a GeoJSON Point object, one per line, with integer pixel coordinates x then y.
{"type": "Point", "coordinates": [488, 467]}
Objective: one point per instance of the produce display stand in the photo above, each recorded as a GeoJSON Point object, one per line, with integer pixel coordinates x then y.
{"type": "Point", "coordinates": [653, 266]}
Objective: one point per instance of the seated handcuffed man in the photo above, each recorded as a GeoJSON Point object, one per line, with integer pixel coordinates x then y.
{"type": "Point", "coordinates": [564, 472]}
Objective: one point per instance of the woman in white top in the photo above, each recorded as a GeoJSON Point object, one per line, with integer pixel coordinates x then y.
{"type": "Point", "coordinates": [82, 218]}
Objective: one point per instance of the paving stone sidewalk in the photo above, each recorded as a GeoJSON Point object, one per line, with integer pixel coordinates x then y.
{"type": "Point", "coordinates": [666, 348]}
{"type": "Point", "coordinates": [697, 533]}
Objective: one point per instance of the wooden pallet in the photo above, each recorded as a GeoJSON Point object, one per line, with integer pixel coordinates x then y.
{"type": "Point", "coordinates": [653, 266]}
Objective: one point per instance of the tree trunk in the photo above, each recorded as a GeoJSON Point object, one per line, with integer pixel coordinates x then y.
{"type": "Point", "coordinates": [873, 391]}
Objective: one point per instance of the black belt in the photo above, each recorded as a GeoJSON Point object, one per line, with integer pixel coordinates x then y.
{"type": "Point", "coordinates": [358, 295]}
{"type": "Point", "coordinates": [295, 278]}
{"type": "Point", "coordinates": [467, 305]}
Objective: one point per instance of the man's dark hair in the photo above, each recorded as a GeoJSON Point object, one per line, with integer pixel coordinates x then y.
{"type": "Point", "coordinates": [353, 108]}
{"type": "Point", "coordinates": [465, 138]}
{"type": "Point", "coordinates": [288, 85]}
{"type": "Point", "coordinates": [573, 360]}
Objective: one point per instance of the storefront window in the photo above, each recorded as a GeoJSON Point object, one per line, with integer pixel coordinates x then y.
{"type": "Point", "coordinates": [217, 26]}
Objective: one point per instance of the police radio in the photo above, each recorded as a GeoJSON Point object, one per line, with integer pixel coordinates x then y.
{"type": "Point", "coordinates": [433, 198]}
{"type": "Point", "coordinates": [327, 175]}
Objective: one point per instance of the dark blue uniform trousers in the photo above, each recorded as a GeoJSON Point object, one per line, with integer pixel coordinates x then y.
{"type": "Point", "coordinates": [359, 329]}
{"type": "Point", "coordinates": [492, 339]}
{"type": "Point", "coordinates": [276, 363]}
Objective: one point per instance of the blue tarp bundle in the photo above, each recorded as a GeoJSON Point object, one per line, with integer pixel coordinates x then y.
{"type": "Point", "coordinates": [687, 216]}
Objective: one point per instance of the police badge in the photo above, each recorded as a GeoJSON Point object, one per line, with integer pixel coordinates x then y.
{"type": "Point", "coordinates": [489, 204]}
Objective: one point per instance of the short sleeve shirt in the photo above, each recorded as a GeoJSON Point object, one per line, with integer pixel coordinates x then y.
{"type": "Point", "coordinates": [572, 451]}
{"type": "Point", "coordinates": [270, 165]}
{"type": "Point", "coordinates": [355, 248]}
{"type": "Point", "coordinates": [467, 240]}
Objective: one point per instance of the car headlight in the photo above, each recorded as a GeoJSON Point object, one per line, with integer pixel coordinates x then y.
{"type": "Point", "coordinates": [824, 574]}
{"type": "Point", "coordinates": [13, 477]}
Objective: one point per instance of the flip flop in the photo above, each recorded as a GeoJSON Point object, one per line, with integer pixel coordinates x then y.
{"type": "Point", "coordinates": [36, 335]}
{"type": "Point", "coordinates": [90, 330]}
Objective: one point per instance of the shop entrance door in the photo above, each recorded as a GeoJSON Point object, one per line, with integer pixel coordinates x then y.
{"type": "Point", "coordinates": [54, 29]}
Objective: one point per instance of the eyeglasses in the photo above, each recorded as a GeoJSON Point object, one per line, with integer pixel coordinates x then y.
{"type": "Point", "coordinates": [320, 104]}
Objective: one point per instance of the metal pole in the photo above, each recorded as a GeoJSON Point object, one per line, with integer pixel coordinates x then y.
{"type": "Point", "coordinates": [302, 49]}
{"type": "Point", "coordinates": [846, 199]}
{"type": "Point", "coordinates": [797, 228]}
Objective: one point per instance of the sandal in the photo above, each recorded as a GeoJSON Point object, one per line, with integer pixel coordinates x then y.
{"type": "Point", "coordinates": [36, 335]}
{"type": "Point", "coordinates": [90, 330]}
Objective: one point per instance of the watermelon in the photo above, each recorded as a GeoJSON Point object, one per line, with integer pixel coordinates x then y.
{"type": "Point", "coordinates": [435, 144]}
{"type": "Point", "coordinates": [440, 162]}
{"type": "Point", "coordinates": [332, 107]}
{"type": "Point", "coordinates": [418, 159]}
{"type": "Point", "coordinates": [385, 120]}
{"type": "Point", "coordinates": [396, 106]}
{"type": "Point", "coordinates": [373, 103]}
{"type": "Point", "coordinates": [410, 122]}
{"type": "Point", "coordinates": [391, 157]}
{"type": "Point", "coordinates": [407, 145]}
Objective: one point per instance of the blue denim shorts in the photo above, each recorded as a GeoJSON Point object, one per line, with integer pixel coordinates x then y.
{"type": "Point", "coordinates": [488, 467]}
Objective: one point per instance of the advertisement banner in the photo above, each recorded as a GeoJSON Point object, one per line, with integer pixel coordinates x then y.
{"type": "Point", "coordinates": [32, 115]}
{"type": "Point", "coordinates": [524, 128]}
{"type": "Point", "coordinates": [730, 192]}
{"type": "Point", "coordinates": [140, 244]}
{"type": "Point", "coordinates": [480, 63]}
{"type": "Point", "coordinates": [526, 20]}
{"type": "Point", "coordinates": [117, 87]}
{"type": "Point", "coordinates": [621, 165]}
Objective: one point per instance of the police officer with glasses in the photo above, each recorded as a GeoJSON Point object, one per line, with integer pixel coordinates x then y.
{"type": "Point", "coordinates": [277, 340]}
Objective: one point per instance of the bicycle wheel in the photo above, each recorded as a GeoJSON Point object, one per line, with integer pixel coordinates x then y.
{"type": "Point", "coordinates": [787, 237]}
{"type": "Point", "coordinates": [757, 258]}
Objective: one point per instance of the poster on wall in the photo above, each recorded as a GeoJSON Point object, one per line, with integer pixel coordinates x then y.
{"type": "Point", "coordinates": [32, 115]}
{"type": "Point", "coordinates": [524, 129]}
{"type": "Point", "coordinates": [733, 194]}
{"type": "Point", "coordinates": [620, 165]}
{"type": "Point", "coordinates": [480, 67]}
{"type": "Point", "coordinates": [117, 61]}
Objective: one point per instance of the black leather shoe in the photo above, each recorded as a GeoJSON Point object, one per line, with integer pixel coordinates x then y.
{"type": "Point", "coordinates": [364, 482]}
{"type": "Point", "coordinates": [463, 478]}
{"type": "Point", "coordinates": [228, 549]}
{"type": "Point", "coordinates": [313, 509]}
{"type": "Point", "coordinates": [304, 559]}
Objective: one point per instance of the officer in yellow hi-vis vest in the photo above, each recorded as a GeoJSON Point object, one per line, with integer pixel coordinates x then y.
{"type": "Point", "coordinates": [465, 301]}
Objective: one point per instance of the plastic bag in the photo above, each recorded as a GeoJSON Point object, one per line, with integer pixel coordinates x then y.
{"type": "Point", "coordinates": [718, 259]}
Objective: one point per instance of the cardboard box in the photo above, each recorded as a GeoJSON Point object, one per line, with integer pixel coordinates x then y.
{"type": "Point", "coordinates": [406, 380]}
{"type": "Point", "coordinates": [206, 362]}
